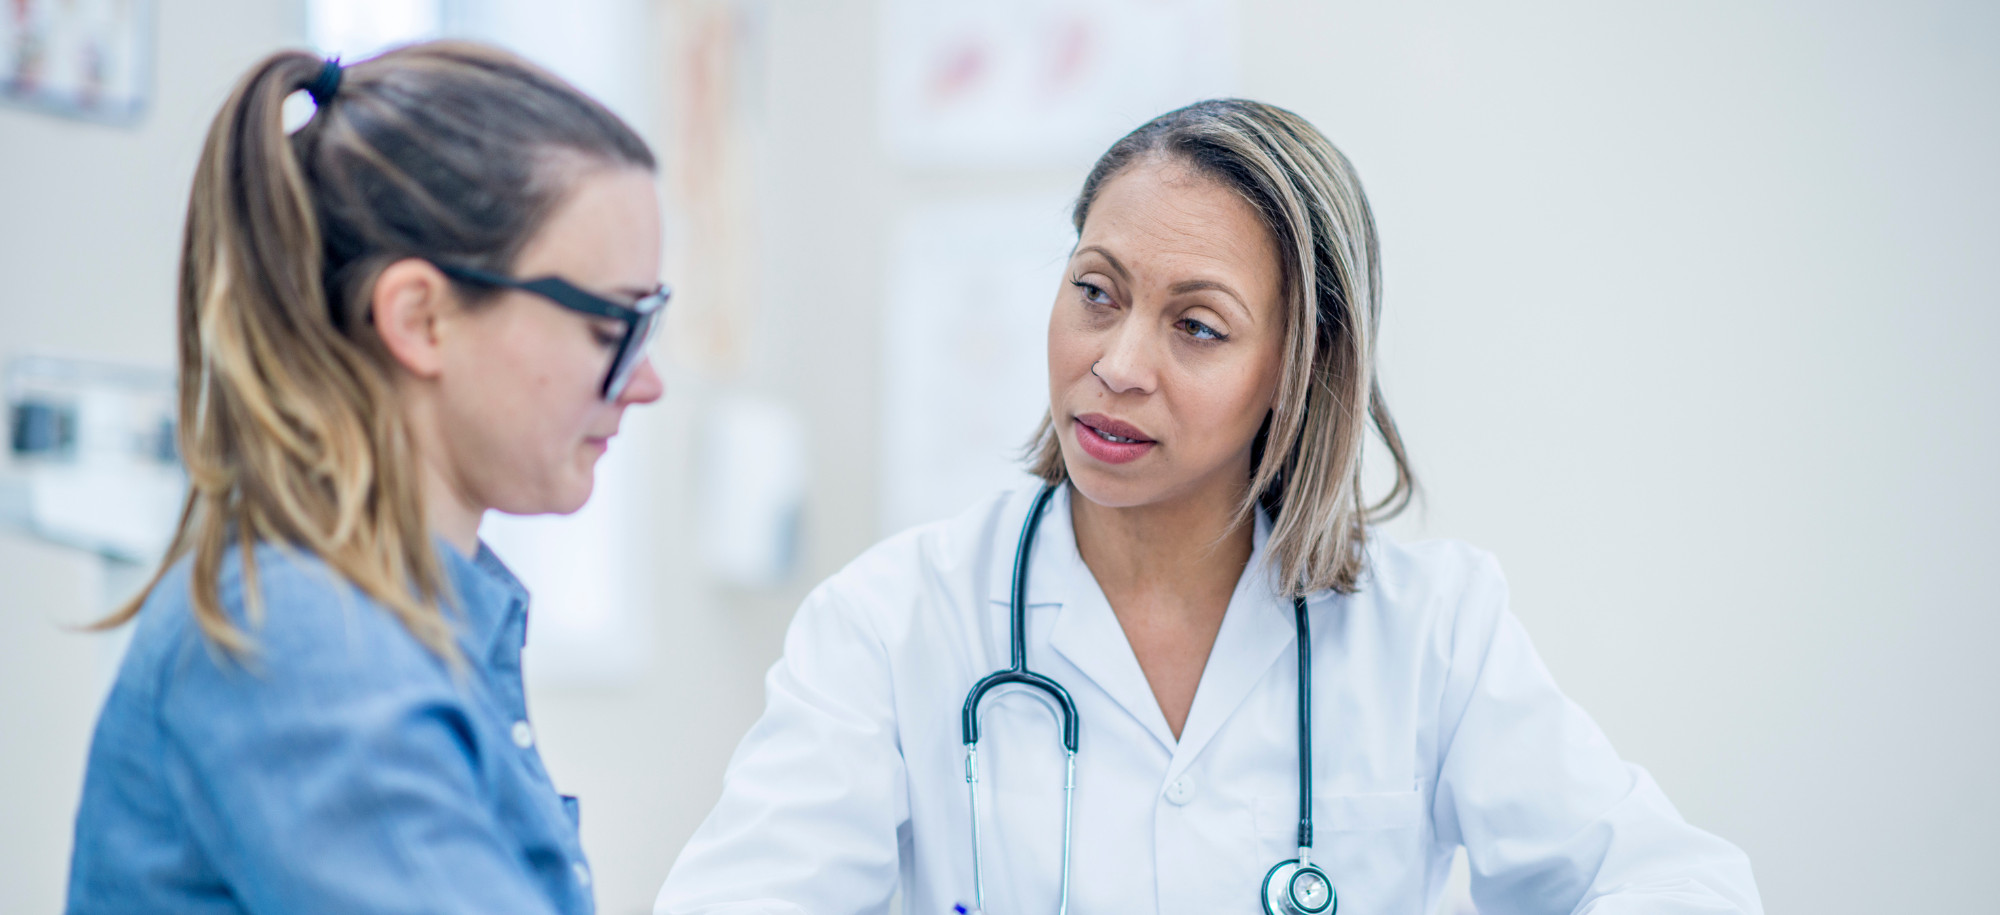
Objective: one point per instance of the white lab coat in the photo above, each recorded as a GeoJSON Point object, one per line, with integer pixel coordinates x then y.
{"type": "Point", "coordinates": [1435, 725]}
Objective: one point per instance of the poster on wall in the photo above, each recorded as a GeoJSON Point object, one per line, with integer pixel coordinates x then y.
{"type": "Point", "coordinates": [965, 350]}
{"type": "Point", "coordinates": [1039, 83]}
{"type": "Point", "coordinates": [89, 59]}
{"type": "Point", "coordinates": [719, 63]}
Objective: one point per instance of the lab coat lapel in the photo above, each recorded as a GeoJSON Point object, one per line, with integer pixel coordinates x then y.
{"type": "Point", "coordinates": [1053, 543]}
{"type": "Point", "coordinates": [1089, 637]}
{"type": "Point", "coordinates": [1086, 633]}
{"type": "Point", "coordinates": [1257, 629]}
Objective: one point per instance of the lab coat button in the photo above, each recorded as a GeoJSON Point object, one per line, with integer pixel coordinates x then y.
{"type": "Point", "coordinates": [1181, 791]}
{"type": "Point", "coordinates": [524, 736]}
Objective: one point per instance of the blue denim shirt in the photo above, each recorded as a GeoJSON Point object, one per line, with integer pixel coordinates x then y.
{"type": "Point", "coordinates": [341, 768]}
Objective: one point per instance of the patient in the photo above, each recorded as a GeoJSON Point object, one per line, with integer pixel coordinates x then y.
{"type": "Point", "coordinates": [430, 301]}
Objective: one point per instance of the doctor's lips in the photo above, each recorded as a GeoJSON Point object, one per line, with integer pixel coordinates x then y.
{"type": "Point", "coordinates": [1109, 440]}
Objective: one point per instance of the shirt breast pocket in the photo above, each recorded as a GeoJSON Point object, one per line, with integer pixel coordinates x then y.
{"type": "Point", "coordinates": [1338, 813]}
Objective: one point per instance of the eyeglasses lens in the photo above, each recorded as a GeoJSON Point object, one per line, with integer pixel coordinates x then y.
{"type": "Point", "coordinates": [634, 350]}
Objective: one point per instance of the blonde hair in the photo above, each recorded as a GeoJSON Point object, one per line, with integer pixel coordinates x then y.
{"type": "Point", "coordinates": [1306, 461]}
{"type": "Point", "coordinates": [289, 420]}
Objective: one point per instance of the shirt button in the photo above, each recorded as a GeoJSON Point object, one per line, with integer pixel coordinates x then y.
{"type": "Point", "coordinates": [582, 873]}
{"type": "Point", "coordinates": [1181, 791]}
{"type": "Point", "coordinates": [524, 736]}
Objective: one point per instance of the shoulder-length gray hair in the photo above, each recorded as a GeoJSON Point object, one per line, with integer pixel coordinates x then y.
{"type": "Point", "coordinates": [1306, 462]}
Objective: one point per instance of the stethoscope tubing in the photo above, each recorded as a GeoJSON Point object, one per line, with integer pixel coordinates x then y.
{"type": "Point", "coordinates": [1064, 707]}
{"type": "Point", "coordinates": [1017, 672]}
{"type": "Point", "coordinates": [1305, 728]}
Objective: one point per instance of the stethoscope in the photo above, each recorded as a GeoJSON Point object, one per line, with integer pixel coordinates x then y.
{"type": "Point", "coordinates": [1292, 887]}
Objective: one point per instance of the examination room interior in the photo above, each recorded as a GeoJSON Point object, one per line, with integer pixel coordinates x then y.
{"type": "Point", "coordinates": [1691, 318]}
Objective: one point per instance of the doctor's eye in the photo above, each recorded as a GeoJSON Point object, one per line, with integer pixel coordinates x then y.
{"type": "Point", "coordinates": [1199, 331]}
{"type": "Point", "coordinates": [606, 337]}
{"type": "Point", "coordinates": [1093, 293]}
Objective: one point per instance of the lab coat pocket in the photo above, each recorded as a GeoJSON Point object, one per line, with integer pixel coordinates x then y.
{"type": "Point", "coordinates": [1341, 812]}
{"type": "Point", "coordinates": [1373, 844]}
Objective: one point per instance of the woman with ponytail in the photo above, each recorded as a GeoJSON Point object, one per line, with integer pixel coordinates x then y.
{"type": "Point", "coordinates": [429, 302]}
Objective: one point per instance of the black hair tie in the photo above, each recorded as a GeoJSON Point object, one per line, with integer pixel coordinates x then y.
{"type": "Point", "coordinates": [326, 84]}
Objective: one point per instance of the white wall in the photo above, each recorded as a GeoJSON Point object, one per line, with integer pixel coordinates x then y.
{"type": "Point", "coordinates": [1691, 319]}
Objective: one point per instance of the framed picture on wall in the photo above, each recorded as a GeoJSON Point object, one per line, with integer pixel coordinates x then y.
{"type": "Point", "coordinates": [1041, 83]}
{"type": "Point", "coordinates": [89, 59]}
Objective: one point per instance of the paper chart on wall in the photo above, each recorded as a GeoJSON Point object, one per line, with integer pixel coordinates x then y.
{"type": "Point", "coordinates": [89, 59]}
{"type": "Point", "coordinates": [1042, 82]}
{"type": "Point", "coordinates": [964, 351]}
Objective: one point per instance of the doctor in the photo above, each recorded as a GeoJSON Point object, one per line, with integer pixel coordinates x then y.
{"type": "Point", "coordinates": [1211, 374]}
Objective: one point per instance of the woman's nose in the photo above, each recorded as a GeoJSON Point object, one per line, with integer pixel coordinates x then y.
{"type": "Point", "coordinates": [645, 385]}
{"type": "Point", "coordinates": [1125, 366]}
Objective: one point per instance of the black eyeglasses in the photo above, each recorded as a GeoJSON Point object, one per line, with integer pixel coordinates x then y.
{"type": "Point", "coordinates": [642, 318]}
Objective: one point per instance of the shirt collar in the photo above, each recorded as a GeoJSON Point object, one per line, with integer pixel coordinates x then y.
{"type": "Point", "coordinates": [1257, 628]}
{"type": "Point", "coordinates": [489, 599]}
{"type": "Point", "coordinates": [1056, 561]}
{"type": "Point", "coordinates": [1054, 550]}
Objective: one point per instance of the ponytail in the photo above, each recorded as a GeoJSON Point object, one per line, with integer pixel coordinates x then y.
{"type": "Point", "coordinates": [290, 424]}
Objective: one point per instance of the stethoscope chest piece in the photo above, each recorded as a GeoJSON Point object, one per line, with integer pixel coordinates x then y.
{"type": "Point", "coordinates": [1293, 890]}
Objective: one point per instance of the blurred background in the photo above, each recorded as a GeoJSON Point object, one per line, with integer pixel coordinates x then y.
{"type": "Point", "coordinates": [1691, 318]}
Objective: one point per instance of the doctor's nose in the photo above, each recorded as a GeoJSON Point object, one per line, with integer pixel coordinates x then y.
{"type": "Point", "coordinates": [1125, 368]}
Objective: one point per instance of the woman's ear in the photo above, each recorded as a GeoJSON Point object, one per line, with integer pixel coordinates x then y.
{"type": "Point", "coordinates": [409, 305]}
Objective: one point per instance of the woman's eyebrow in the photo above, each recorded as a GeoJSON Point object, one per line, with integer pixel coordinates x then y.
{"type": "Point", "coordinates": [1116, 267]}
{"type": "Point", "coordinates": [1186, 286]}
{"type": "Point", "coordinates": [1181, 288]}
